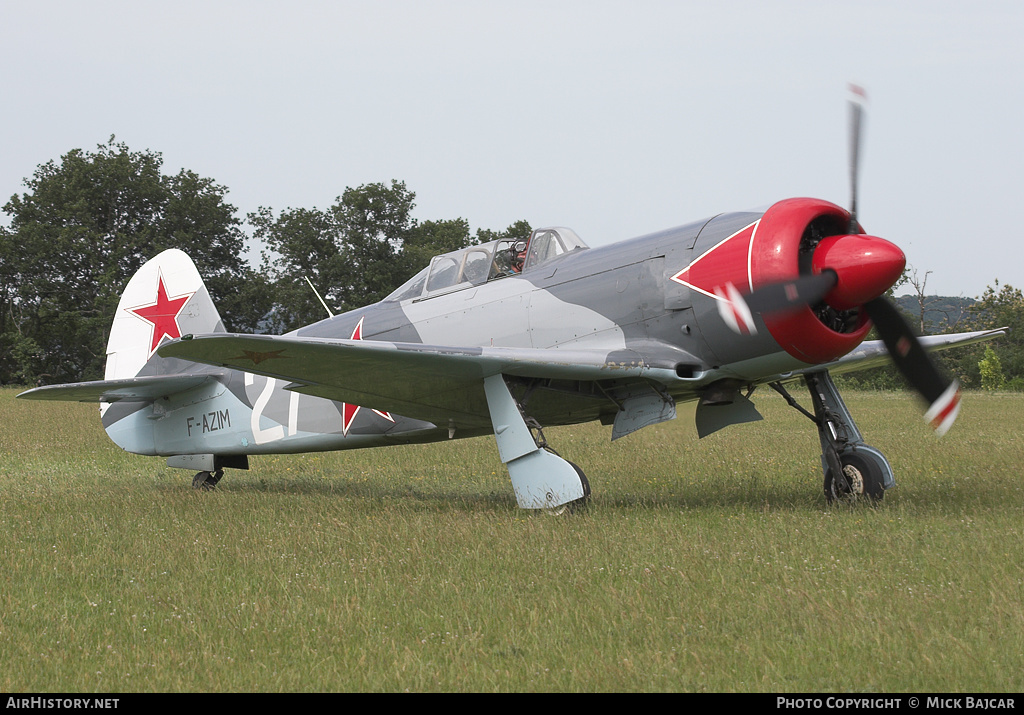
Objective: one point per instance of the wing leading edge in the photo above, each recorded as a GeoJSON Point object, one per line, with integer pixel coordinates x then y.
{"type": "Point", "coordinates": [428, 382]}
{"type": "Point", "coordinates": [873, 353]}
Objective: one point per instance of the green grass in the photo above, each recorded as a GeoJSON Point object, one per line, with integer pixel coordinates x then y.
{"type": "Point", "coordinates": [711, 565]}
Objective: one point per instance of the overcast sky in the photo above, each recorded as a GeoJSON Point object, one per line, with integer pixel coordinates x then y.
{"type": "Point", "coordinates": [615, 118]}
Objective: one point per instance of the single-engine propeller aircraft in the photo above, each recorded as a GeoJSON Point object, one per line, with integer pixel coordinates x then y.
{"type": "Point", "coordinates": [508, 337]}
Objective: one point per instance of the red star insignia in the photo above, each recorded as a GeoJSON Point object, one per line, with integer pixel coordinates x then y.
{"type": "Point", "coordinates": [163, 314]}
{"type": "Point", "coordinates": [349, 412]}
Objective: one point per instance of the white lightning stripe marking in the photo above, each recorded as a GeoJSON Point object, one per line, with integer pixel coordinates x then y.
{"type": "Point", "coordinates": [750, 257]}
{"type": "Point", "coordinates": [699, 290]}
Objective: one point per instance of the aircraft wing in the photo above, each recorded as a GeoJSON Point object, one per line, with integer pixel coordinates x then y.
{"type": "Point", "coordinates": [428, 382]}
{"type": "Point", "coordinates": [132, 389]}
{"type": "Point", "coordinates": [872, 353]}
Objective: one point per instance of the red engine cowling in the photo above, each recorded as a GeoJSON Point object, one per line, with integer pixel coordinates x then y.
{"type": "Point", "coordinates": [808, 236]}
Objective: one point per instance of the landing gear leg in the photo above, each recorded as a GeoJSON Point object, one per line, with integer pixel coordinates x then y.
{"type": "Point", "coordinates": [540, 478]}
{"type": "Point", "coordinates": [851, 467]}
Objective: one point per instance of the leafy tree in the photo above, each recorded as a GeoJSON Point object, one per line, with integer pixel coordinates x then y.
{"type": "Point", "coordinates": [519, 229]}
{"type": "Point", "coordinates": [432, 238]}
{"type": "Point", "coordinates": [1003, 306]}
{"type": "Point", "coordinates": [375, 221]}
{"type": "Point", "coordinates": [77, 235]}
{"type": "Point", "coordinates": [299, 244]}
{"type": "Point", "coordinates": [18, 351]}
{"type": "Point", "coordinates": [999, 306]}
{"type": "Point", "coordinates": [356, 252]}
{"type": "Point", "coordinates": [350, 252]}
{"type": "Point", "coordinates": [991, 370]}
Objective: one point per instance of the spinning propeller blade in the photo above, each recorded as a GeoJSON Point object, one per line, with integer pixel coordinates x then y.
{"type": "Point", "coordinates": [789, 295]}
{"type": "Point", "coordinates": [737, 311]}
{"type": "Point", "coordinates": [854, 271]}
{"type": "Point", "coordinates": [941, 393]}
{"type": "Point", "coordinates": [734, 310]}
{"type": "Point", "coordinates": [910, 358]}
{"type": "Point", "coordinates": [858, 97]}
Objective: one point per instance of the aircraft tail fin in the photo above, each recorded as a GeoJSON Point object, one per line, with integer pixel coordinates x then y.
{"type": "Point", "coordinates": [165, 299]}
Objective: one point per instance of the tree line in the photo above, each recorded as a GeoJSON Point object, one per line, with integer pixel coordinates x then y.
{"type": "Point", "coordinates": [994, 365]}
{"type": "Point", "coordinates": [88, 222]}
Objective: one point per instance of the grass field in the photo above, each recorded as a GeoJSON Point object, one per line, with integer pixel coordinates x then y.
{"type": "Point", "coordinates": [711, 565]}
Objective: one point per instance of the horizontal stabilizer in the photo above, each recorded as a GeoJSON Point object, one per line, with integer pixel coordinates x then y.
{"type": "Point", "coordinates": [131, 389]}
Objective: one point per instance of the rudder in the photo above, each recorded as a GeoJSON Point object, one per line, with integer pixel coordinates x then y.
{"type": "Point", "coordinates": [165, 299]}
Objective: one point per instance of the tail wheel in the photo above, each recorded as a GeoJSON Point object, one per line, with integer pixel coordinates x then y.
{"type": "Point", "coordinates": [205, 481]}
{"type": "Point", "coordinates": [861, 478]}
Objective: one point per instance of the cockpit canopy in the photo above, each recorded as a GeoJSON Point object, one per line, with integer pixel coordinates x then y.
{"type": "Point", "coordinates": [489, 261]}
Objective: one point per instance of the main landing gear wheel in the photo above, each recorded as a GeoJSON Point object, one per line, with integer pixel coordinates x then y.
{"type": "Point", "coordinates": [577, 506]}
{"type": "Point", "coordinates": [861, 477]}
{"type": "Point", "coordinates": [205, 481]}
